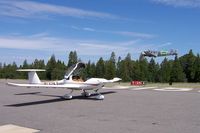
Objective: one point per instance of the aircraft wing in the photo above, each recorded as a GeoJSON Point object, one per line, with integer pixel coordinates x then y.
{"type": "Point", "coordinates": [69, 86]}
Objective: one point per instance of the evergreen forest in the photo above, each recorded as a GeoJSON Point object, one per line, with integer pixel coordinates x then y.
{"type": "Point", "coordinates": [181, 69]}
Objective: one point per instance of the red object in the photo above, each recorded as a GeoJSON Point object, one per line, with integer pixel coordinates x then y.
{"type": "Point", "coordinates": [136, 82]}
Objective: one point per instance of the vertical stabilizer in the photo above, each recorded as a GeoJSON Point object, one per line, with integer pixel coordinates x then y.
{"type": "Point", "coordinates": [33, 78]}
{"type": "Point", "coordinates": [32, 75]}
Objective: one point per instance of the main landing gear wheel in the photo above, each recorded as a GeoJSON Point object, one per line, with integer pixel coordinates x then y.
{"type": "Point", "coordinates": [67, 97]}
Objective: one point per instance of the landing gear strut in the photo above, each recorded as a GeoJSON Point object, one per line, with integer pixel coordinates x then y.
{"type": "Point", "coordinates": [85, 94]}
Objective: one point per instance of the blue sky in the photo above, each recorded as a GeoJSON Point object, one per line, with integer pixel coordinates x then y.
{"type": "Point", "coordinates": [94, 28]}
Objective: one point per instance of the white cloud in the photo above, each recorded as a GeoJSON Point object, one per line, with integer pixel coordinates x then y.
{"type": "Point", "coordinates": [88, 29]}
{"type": "Point", "coordinates": [43, 34]}
{"type": "Point", "coordinates": [47, 43]}
{"type": "Point", "coordinates": [164, 45]}
{"type": "Point", "coordinates": [123, 33]}
{"type": "Point", "coordinates": [180, 3]}
{"type": "Point", "coordinates": [44, 43]}
{"type": "Point", "coordinates": [135, 34]}
{"type": "Point", "coordinates": [102, 48]}
{"type": "Point", "coordinates": [75, 27]}
{"type": "Point", "coordinates": [30, 9]}
{"type": "Point", "coordinates": [25, 43]}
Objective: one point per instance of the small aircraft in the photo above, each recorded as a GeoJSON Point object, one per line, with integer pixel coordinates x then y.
{"type": "Point", "coordinates": [69, 82]}
{"type": "Point", "coordinates": [151, 53]}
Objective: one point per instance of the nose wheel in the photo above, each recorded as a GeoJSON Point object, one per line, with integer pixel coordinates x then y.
{"type": "Point", "coordinates": [100, 97]}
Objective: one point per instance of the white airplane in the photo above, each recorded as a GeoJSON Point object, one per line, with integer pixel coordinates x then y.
{"type": "Point", "coordinates": [69, 82]}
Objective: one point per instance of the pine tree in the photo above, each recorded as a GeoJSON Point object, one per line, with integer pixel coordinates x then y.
{"type": "Point", "coordinates": [59, 70]}
{"type": "Point", "coordinates": [123, 71]}
{"type": "Point", "coordinates": [136, 71]}
{"type": "Point", "coordinates": [129, 66]}
{"type": "Point", "coordinates": [25, 65]}
{"type": "Point", "coordinates": [125, 68]}
{"type": "Point", "coordinates": [165, 70]}
{"type": "Point", "coordinates": [152, 70]}
{"type": "Point", "coordinates": [118, 67]}
{"type": "Point", "coordinates": [51, 64]}
{"type": "Point", "coordinates": [110, 67]}
{"type": "Point", "coordinates": [197, 69]}
{"type": "Point", "coordinates": [187, 62]}
{"type": "Point", "coordinates": [73, 58]}
{"type": "Point", "coordinates": [143, 69]}
{"type": "Point", "coordinates": [93, 70]}
{"type": "Point", "coordinates": [109, 70]}
{"type": "Point", "coordinates": [38, 64]}
{"type": "Point", "coordinates": [90, 70]}
{"type": "Point", "coordinates": [100, 68]}
{"type": "Point", "coordinates": [112, 58]}
{"type": "Point", "coordinates": [177, 74]}
{"type": "Point", "coordinates": [23, 75]}
{"type": "Point", "coordinates": [157, 74]}
{"type": "Point", "coordinates": [10, 71]}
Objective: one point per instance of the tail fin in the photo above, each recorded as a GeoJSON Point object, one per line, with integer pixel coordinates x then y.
{"type": "Point", "coordinates": [32, 75]}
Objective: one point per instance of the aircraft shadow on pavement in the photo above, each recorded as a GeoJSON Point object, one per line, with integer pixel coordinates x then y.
{"type": "Point", "coordinates": [57, 99]}
{"type": "Point", "coordinates": [28, 93]}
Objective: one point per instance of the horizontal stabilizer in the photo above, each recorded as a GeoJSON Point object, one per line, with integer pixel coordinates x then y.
{"type": "Point", "coordinates": [32, 75]}
{"type": "Point", "coordinates": [31, 70]}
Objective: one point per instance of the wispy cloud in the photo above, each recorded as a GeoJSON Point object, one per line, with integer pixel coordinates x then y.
{"type": "Point", "coordinates": [84, 28]}
{"type": "Point", "coordinates": [102, 48]}
{"type": "Point", "coordinates": [48, 43]}
{"type": "Point", "coordinates": [180, 3]}
{"type": "Point", "coordinates": [122, 33]}
{"type": "Point", "coordinates": [36, 42]}
{"type": "Point", "coordinates": [30, 9]}
{"type": "Point", "coordinates": [135, 34]}
{"type": "Point", "coordinates": [88, 29]}
{"type": "Point", "coordinates": [44, 42]}
{"type": "Point", "coordinates": [164, 45]}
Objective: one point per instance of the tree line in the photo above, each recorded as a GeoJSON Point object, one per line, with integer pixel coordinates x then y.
{"type": "Point", "coordinates": [181, 69]}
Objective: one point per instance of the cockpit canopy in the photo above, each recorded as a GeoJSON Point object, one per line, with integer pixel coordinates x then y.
{"type": "Point", "coordinates": [75, 69]}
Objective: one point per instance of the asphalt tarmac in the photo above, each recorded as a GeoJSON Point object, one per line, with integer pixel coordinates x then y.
{"type": "Point", "coordinates": [122, 111]}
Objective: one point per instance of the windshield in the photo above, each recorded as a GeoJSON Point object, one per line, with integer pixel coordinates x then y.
{"type": "Point", "coordinates": [75, 69]}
